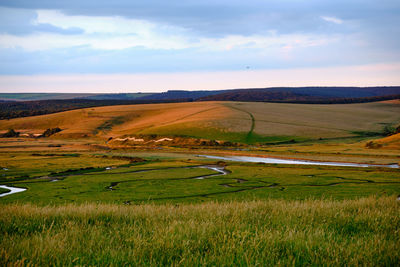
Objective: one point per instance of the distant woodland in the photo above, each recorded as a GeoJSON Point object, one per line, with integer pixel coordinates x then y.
{"type": "Point", "coordinates": [289, 97]}
{"type": "Point", "coordinates": [14, 109]}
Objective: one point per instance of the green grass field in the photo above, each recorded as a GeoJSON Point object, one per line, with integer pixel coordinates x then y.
{"type": "Point", "coordinates": [159, 214]}
{"type": "Point", "coordinates": [87, 177]}
{"type": "Point", "coordinates": [362, 232]}
{"type": "Point", "coordinates": [3, 190]}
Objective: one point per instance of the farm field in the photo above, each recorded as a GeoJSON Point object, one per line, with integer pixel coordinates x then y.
{"type": "Point", "coordinates": [230, 121]}
{"type": "Point", "coordinates": [157, 202]}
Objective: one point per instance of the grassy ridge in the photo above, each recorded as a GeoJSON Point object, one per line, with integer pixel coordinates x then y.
{"type": "Point", "coordinates": [230, 121]}
{"type": "Point", "coordinates": [273, 232]}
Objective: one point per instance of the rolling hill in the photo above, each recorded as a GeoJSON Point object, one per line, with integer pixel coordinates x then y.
{"type": "Point", "coordinates": [16, 109]}
{"type": "Point", "coordinates": [389, 142]}
{"type": "Point", "coordinates": [39, 104]}
{"type": "Point", "coordinates": [231, 121]}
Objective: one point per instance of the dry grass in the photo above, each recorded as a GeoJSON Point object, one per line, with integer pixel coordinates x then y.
{"type": "Point", "coordinates": [271, 119]}
{"type": "Point", "coordinates": [319, 120]}
{"type": "Point", "coordinates": [393, 101]}
{"type": "Point", "coordinates": [136, 118]}
{"type": "Point", "coordinates": [391, 142]}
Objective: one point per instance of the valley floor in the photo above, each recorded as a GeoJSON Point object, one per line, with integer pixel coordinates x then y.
{"type": "Point", "coordinates": [88, 206]}
{"type": "Point", "coordinates": [163, 177]}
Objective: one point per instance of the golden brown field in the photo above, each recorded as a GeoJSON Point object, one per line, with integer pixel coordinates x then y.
{"type": "Point", "coordinates": [216, 120]}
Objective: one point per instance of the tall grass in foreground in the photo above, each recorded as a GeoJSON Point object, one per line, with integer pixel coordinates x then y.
{"type": "Point", "coordinates": [272, 232]}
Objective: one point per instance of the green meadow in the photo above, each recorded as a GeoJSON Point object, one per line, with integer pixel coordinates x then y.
{"type": "Point", "coordinates": [109, 178]}
{"type": "Point", "coordinates": [151, 209]}
{"type": "Point", "coordinates": [2, 190]}
{"type": "Point", "coordinates": [361, 232]}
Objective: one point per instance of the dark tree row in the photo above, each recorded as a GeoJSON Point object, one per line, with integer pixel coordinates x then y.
{"type": "Point", "coordinates": [290, 97]}
{"type": "Point", "coordinates": [14, 109]}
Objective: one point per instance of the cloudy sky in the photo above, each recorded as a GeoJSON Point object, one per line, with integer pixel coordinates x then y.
{"type": "Point", "coordinates": [157, 45]}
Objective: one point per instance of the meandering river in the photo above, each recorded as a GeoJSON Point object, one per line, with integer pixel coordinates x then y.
{"type": "Point", "coordinates": [293, 161]}
{"type": "Point", "coordinates": [13, 190]}
{"type": "Point", "coordinates": [222, 171]}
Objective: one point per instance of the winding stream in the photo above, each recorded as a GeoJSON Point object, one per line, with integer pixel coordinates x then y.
{"type": "Point", "coordinates": [220, 170]}
{"type": "Point", "coordinates": [293, 161]}
{"type": "Point", "coordinates": [13, 190]}
{"type": "Point", "coordinates": [223, 171]}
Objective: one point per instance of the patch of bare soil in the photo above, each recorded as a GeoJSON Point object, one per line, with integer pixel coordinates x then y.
{"type": "Point", "coordinates": [158, 141]}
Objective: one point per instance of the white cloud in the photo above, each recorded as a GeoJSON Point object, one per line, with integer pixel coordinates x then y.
{"type": "Point", "coordinates": [265, 42]}
{"type": "Point", "coordinates": [332, 19]}
{"type": "Point", "coordinates": [100, 24]}
{"type": "Point", "coordinates": [116, 33]}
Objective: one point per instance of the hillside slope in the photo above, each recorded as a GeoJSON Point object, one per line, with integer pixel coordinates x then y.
{"type": "Point", "coordinates": [231, 121]}
{"type": "Point", "coordinates": [389, 142]}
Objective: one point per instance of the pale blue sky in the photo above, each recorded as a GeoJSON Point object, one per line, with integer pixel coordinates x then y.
{"type": "Point", "coordinates": [146, 39]}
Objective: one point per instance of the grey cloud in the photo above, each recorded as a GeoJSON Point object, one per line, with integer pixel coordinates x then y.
{"type": "Point", "coordinates": [16, 21]}
{"type": "Point", "coordinates": [140, 60]}
{"type": "Point", "coordinates": [373, 23]}
{"type": "Point", "coordinates": [20, 22]}
{"type": "Point", "coordinates": [45, 27]}
{"type": "Point", "coordinates": [230, 17]}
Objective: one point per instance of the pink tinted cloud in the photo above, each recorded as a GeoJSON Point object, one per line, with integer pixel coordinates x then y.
{"type": "Point", "coordinates": [360, 75]}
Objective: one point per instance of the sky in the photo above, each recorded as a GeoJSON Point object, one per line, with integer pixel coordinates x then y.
{"type": "Point", "coordinates": [157, 45]}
